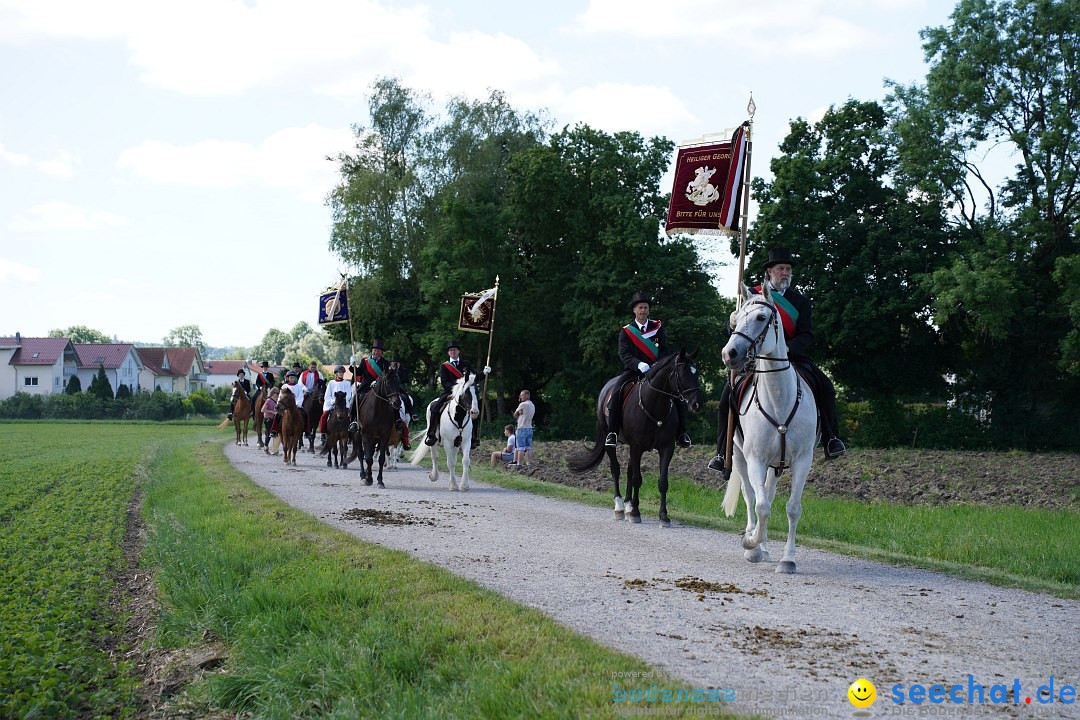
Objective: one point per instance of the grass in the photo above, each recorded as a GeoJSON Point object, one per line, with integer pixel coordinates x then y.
{"type": "Point", "coordinates": [320, 624]}
{"type": "Point", "coordinates": [1008, 546]}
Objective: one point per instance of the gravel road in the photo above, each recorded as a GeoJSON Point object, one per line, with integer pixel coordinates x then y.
{"type": "Point", "coordinates": [684, 599]}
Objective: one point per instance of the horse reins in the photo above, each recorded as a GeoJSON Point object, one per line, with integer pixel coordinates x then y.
{"type": "Point", "coordinates": [678, 394]}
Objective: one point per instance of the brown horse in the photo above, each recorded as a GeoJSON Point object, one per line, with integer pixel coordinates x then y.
{"type": "Point", "coordinates": [313, 404]}
{"type": "Point", "coordinates": [241, 413]}
{"type": "Point", "coordinates": [260, 399]}
{"type": "Point", "coordinates": [337, 433]}
{"type": "Point", "coordinates": [291, 422]}
{"type": "Point", "coordinates": [379, 411]}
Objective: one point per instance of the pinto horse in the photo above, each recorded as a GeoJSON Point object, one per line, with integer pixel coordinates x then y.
{"type": "Point", "coordinates": [455, 430]}
{"type": "Point", "coordinates": [291, 422]}
{"type": "Point", "coordinates": [337, 433]}
{"type": "Point", "coordinates": [779, 424]}
{"type": "Point", "coordinates": [650, 421]}
{"type": "Point", "coordinates": [378, 413]}
{"type": "Point", "coordinates": [241, 413]}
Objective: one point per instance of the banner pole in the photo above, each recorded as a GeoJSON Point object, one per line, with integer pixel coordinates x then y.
{"type": "Point", "coordinates": [487, 362]}
{"type": "Point", "coordinates": [751, 108]}
{"type": "Point", "coordinates": [352, 346]}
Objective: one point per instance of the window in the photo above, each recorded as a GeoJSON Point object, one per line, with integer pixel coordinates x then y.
{"type": "Point", "coordinates": [29, 382]}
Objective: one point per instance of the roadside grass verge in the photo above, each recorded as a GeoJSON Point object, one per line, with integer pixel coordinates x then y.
{"type": "Point", "coordinates": [320, 624]}
{"type": "Point", "coordinates": [64, 497]}
{"type": "Point", "coordinates": [1007, 546]}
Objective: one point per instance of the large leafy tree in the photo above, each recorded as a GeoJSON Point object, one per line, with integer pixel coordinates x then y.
{"type": "Point", "coordinates": [1005, 72]}
{"type": "Point", "coordinates": [185, 336]}
{"type": "Point", "coordinates": [863, 248]}
{"type": "Point", "coordinates": [272, 347]}
{"type": "Point", "coordinates": [81, 334]}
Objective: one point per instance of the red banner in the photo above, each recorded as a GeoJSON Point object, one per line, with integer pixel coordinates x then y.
{"type": "Point", "coordinates": [705, 197]}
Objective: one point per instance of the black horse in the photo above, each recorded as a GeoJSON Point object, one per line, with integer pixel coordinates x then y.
{"type": "Point", "coordinates": [337, 433]}
{"type": "Point", "coordinates": [650, 421]}
{"type": "Point", "coordinates": [378, 412]}
{"type": "Point", "coordinates": [313, 404]}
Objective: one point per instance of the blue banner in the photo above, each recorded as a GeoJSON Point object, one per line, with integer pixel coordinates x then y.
{"type": "Point", "coordinates": [334, 307]}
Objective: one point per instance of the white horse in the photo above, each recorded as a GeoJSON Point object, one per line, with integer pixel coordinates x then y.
{"type": "Point", "coordinates": [455, 431]}
{"type": "Point", "coordinates": [397, 452]}
{"type": "Point", "coordinates": [778, 422]}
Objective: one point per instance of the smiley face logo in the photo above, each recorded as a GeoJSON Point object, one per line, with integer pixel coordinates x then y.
{"type": "Point", "coordinates": [862, 693]}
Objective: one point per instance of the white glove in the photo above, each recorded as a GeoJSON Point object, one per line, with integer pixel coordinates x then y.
{"type": "Point", "coordinates": [731, 321]}
{"type": "Point", "coordinates": [487, 369]}
{"type": "Point", "coordinates": [643, 367]}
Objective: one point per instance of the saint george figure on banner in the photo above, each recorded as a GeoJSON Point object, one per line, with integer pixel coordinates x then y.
{"type": "Point", "coordinates": [699, 190]}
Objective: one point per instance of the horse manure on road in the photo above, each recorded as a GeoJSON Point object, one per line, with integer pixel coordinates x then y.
{"type": "Point", "coordinates": [383, 517]}
{"type": "Point", "coordinates": [693, 584]}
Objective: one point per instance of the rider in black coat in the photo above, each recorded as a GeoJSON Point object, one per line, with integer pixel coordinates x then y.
{"type": "Point", "coordinates": [449, 373]}
{"type": "Point", "coordinates": [245, 385]}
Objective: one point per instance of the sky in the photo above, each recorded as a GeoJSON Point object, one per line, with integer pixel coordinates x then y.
{"type": "Point", "coordinates": [164, 164]}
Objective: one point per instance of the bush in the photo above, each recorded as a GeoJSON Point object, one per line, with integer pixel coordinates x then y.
{"type": "Point", "coordinates": [201, 403]}
{"type": "Point", "coordinates": [74, 385]}
{"type": "Point", "coordinates": [123, 392]}
{"type": "Point", "coordinates": [23, 406]}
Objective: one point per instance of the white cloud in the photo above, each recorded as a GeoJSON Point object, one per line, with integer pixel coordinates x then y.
{"type": "Point", "coordinates": [788, 27]}
{"type": "Point", "coordinates": [60, 166]}
{"type": "Point", "coordinates": [608, 105]}
{"type": "Point", "coordinates": [62, 216]}
{"type": "Point", "coordinates": [11, 271]}
{"type": "Point", "coordinates": [294, 159]}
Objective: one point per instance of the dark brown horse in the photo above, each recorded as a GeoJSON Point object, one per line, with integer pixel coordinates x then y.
{"type": "Point", "coordinates": [313, 404]}
{"type": "Point", "coordinates": [650, 419]}
{"type": "Point", "coordinates": [291, 422]}
{"type": "Point", "coordinates": [337, 433]}
{"type": "Point", "coordinates": [241, 414]}
{"type": "Point", "coordinates": [378, 412]}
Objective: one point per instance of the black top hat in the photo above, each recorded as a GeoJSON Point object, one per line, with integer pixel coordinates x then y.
{"type": "Point", "coordinates": [264, 364]}
{"type": "Point", "coordinates": [377, 345]}
{"type": "Point", "coordinates": [778, 256]}
{"type": "Point", "coordinates": [241, 372]}
{"type": "Point", "coordinates": [396, 358]}
{"type": "Point", "coordinates": [640, 297]}
{"type": "Point", "coordinates": [296, 364]}
{"type": "Point", "coordinates": [453, 344]}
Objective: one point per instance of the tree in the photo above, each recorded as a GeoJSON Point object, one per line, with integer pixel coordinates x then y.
{"type": "Point", "coordinates": [272, 347]}
{"type": "Point", "coordinates": [185, 336]}
{"type": "Point", "coordinates": [318, 346]}
{"type": "Point", "coordinates": [81, 334]}
{"type": "Point", "coordinates": [74, 384]}
{"type": "Point", "coordinates": [864, 249]}
{"type": "Point", "coordinates": [100, 387]}
{"type": "Point", "coordinates": [1005, 72]}
{"type": "Point", "coordinates": [123, 392]}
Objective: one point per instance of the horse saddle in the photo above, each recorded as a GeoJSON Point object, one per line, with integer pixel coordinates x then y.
{"type": "Point", "coordinates": [625, 391]}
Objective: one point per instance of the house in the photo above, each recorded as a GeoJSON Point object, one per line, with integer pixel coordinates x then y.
{"type": "Point", "coordinates": [120, 361]}
{"type": "Point", "coordinates": [38, 366]}
{"type": "Point", "coordinates": [171, 369]}
{"type": "Point", "coordinates": [221, 373]}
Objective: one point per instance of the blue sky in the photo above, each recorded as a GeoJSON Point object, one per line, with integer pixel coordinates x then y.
{"type": "Point", "coordinates": [162, 164]}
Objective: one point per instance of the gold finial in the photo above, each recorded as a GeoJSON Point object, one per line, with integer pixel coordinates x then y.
{"type": "Point", "coordinates": [751, 107]}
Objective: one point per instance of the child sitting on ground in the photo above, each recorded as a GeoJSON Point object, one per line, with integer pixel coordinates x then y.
{"type": "Point", "coordinates": [507, 455]}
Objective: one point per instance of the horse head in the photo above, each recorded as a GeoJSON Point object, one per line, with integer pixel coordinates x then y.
{"type": "Point", "coordinates": [388, 388]}
{"type": "Point", "coordinates": [750, 336]}
{"type": "Point", "coordinates": [683, 380]}
{"type": "Point", "coordinates": [339, 400]}
{"type": "Point", "coordinates": [286, 399]}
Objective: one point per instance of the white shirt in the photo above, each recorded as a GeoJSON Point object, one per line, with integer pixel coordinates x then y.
{"type": "Point", "coordinates": [336, 386]}
{"type": "Point", "coordinates": [298, 391]}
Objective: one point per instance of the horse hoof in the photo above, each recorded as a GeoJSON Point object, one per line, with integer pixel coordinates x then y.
{"type": "Point", "coordinates": [453, 488]}
{"type": "Point", "coordinates": [635, 519]}
{"type": "Point", "coordinates": [665, 522]}
{"type": "Point", "coordinates": [381, 486]}
{"type": "Point", "coordinates": [620, 515]}
{"type": "Point", "coordinates": [786, 567]}
{"type": "Point", "coordinates": [367, 481]}
{"type": "Point", "coordinates": [753, 555]}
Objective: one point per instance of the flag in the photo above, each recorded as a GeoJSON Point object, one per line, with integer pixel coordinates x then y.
{"type": "Point", "coordinates": [334, 305]}
{"type": "Point", "coordinates": [477, 310]}
{"type": "Point", "coordinates": [705, 197]}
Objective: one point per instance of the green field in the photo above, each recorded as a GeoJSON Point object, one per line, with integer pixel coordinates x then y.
{"type": "Point", "coordinates": [310, 621]}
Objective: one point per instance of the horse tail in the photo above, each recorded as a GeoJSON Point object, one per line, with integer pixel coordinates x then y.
{"type": "Point", "coordinates": [731, 494]}
{"type": "Point", "coordinates": [585, 461]}
{"type": "Point", "coordinates": [224, 424]}
{"type": "Point", "coordinates": [420, 454]}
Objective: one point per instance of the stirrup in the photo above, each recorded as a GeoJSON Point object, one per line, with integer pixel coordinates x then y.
{"type": "Point", "coordinates": [684, 441]}
{"type": "Point", "coordinates": [429, 441]}
{"type": "Point", "coordinates": [353, 426]}
{"type": "Point", "coordinates": [612, 439]}
{"type": "Point", "coordinates": [834, 448]}
{"type": "Point", "coordinates": [717, 463]}
{"type": "Point", "coordinates": [229, 416]}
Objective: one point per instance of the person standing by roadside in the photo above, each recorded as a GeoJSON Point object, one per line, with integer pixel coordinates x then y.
{"type": "Point", "coordinates": [524, 433]}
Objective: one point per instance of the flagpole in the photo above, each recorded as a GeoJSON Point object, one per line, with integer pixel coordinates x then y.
{"type": "Point", "coordinates": [352, 345]}
{"type": "Point", "coordinates": [751, 108]}
{"type": "Point", "coordinates": [487, 362]}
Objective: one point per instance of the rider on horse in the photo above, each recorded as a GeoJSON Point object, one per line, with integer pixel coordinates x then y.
{"type": "Point", "coordinates": [338, 384]}
{"type": "Point", "coordinates": [242, 383]}
{"type": "Point", "coordinates": [298, 391]}
{"type": "Point", "coordinates": [265, 379]}
{"type": "Point", "coordinates": [406, 400]}
{"type": "Point", "coordinates": [794, 310]}
{"type": "Point", "coordinates": [370, 369]}
{"type": "Point", "coordinates": [449, 373]}
{"type": "Point", "coordinates": [641, 343]}
{"type": "Point", "coordinates": [310, 378]}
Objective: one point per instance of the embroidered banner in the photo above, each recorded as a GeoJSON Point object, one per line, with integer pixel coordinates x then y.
{"type": "Point", "coordinates": [705, 196]}
{"type": "Point", "coordinates": [334, 306]}
{"type": "Point", "coordinates": [477, 310]}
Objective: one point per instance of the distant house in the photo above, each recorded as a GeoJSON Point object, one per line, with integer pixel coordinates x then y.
{"type": "Point", "coordinates": [120, 361]}
{"type": "Point", "coordinates": [172, 369]}
{"type": "Point", "coordinates": [38, 366]}
{"type": "Point", "coordinates": [222, 372]}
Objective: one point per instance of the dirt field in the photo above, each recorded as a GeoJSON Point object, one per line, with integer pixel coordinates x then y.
{"type": "Point", "coordinates": [899, 476]}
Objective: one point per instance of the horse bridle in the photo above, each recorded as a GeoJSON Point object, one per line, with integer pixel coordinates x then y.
{"type": "Point", "coordinates": [677, 395]}
{"type": "Point", "coordinates": [773, 324]}
{"type": "Point", "coordinates": [389, 397]}
{"type": "Point", "coordinates": [464, 402]}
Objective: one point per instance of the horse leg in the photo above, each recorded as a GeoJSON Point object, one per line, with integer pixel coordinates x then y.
{"type": "Point", "coordinates": [633, 484]}
{"type": "Point", "coordinates": [382, 462]}
{"type": "Point", "coordinates": [756, 471]}
{"type": "Point", "coordinates": [451, 464]}
{"type": "Point", "coordinates": [245, 431]}
{"type": "Point", "coordinates": [369, 459]}
{"type": "Point", "coordinates": [799, 472]}
{"type": "Point", "coordinates": [465, 461]}
{"type": "Point", "coordinates": [613, 462]}
{"type": "Point", "coordinates": [665, 460]}
{"type": "Point", "coordinates": [433, 476]}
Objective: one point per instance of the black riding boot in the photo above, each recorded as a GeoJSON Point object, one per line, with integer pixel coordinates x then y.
{"type": "Point", "coordinates": [717, 463]}
{"type": "Point", "coordinates": [232, 406]}
{"type": "Point", "coordinates": [614, 417]}
{"type": "Point", "coordinates": [682, 438]}
{"type": "Point", "coordinates": [433, 424]}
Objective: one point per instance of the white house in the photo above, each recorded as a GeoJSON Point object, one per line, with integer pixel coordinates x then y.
{"type": "Point", "coordinates": [38, 366]}
{"type": "Point", "coordinates": [172, 369]}
{"type": "Point", "coordinates": [121, 363]}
